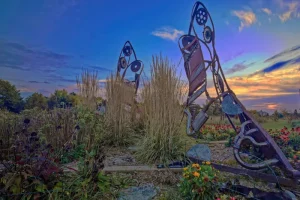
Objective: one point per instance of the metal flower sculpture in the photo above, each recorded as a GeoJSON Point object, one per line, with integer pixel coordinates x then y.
{"type": "Point", "coordinates": [136, 66]}
{"type": "Point", "coordinates": [196, 67]}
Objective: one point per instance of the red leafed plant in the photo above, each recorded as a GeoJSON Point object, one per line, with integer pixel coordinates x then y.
{"type": "Point", "coordinates": [30, 167]}
{"type": "Point", "coordinates": [288, 140]}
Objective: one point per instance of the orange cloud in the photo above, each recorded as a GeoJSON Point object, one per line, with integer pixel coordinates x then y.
{"type": "Point", "coordinates": [272, 106]}
{"type": "Point", "coordinates": [292, 10]}
{"type": "Point", "coordinates": [247, 18]}
{"type": "Point", "coordinates": [268, 106]}
{"type": "Point", "coordinates": [282, 82]}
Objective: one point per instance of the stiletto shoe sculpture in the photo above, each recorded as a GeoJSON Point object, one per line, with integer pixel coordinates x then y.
{"type": "Point", "coordinates": [196, 66]}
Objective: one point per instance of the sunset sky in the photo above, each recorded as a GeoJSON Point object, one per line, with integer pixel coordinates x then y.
{"type": "Point", "coordinates": [44, 44]}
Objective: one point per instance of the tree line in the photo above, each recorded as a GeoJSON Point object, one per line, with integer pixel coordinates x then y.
{"type": "Point", "coordinates": [10, 99]}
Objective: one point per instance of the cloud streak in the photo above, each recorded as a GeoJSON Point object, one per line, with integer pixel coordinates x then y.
{"type": "Point", "coordinates": [18, 56]}
{"type": "Point", "coordinates": [236, 68]}
{"type": "Point", "coordinates": [168, 33]}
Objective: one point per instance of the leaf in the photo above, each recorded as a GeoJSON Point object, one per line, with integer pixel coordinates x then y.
{"type": "Point", "coordinates": [58, 186]}
{"type": "Point", "coordinates": [10, 181]}
{"type": "Point", "coordinates": [18, 180]}
{"type": "Point", "coordinates": [41, 188]}
{"type": "Point", "coordinates": [15, 189]}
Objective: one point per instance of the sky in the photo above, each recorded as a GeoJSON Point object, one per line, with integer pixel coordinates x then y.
{"type": "Point", "coordinates": [44, 44]}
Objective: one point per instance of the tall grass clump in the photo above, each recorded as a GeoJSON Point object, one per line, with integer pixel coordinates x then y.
{"type": "Point", "coordinates": [88, 86]}
{"type": "Point", "coordinates": [162, 113]}
{"type": "Point", "coordinates": [120, 98]}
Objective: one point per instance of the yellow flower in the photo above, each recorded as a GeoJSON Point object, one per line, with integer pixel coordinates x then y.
{"type": "Point", "coordinates": [207, 162]}
{"type": "Point", "coordinates": [196, 174]}
{"type": "Point", "coordinates": [196, 165]}
{"type": "Point", "coordinates": [185, 169]}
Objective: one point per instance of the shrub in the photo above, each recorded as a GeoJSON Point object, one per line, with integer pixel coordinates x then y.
{"type": "Point", "coordinates": [92, 127]}
{"type": "Point", "coordinates": [199, 182]}
{"type": "Point", "coordinates": [162, 113]}
{"type": "Point", "coordinates": [9, 124]}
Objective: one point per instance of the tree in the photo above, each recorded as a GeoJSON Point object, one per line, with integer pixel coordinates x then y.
{"type": "Point", "coordinates": [295, 113]}
{"type": "Point", "coordinates": [60, 99]}
{"type": "Point", "coordinates": [36, 100]}
{"type": "Point", "coordinates": [10, 97]}
{"type": "Point", "coordinates": [73, 99]}
{"type": "Point", "coordinates": [275, 115]}
{"type": "Point", "coordinates": [286, 115]}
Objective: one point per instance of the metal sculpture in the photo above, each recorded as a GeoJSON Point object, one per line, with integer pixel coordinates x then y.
{"type": "Point", "coordinates": [196, 66]}
{"type": "Point", "coordinates": [124, 63]}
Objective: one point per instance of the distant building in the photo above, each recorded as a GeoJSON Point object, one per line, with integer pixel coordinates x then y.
{"type": "Point", "coordinates": [263, 113]}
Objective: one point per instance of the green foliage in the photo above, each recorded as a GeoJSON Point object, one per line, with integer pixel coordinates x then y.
{"type": "Point", "coordinates": [36, 100]}
{"type": "Point", "coordinates": [171, 194]}
{"type": "Point", "coordinates": [229, 142]}
{"type": "Point", "coordinates": [92, 127]}
{"type": "Point", "coordinates": [295, 141]}
{"type": "Point", "coordinates": [199, 182]}
{"type": "Point", "coordinates": [61, 99]}
{"type": "Point", "coordinates": [295, 124]}
{"type": "Point", "coordinates": [10, 97]}
{"type": "Point", "coordinates": [216, 132]}
{"type": "Point", "coordinates": [73, 154]}
{"type": "Point", "coordinates": [89, 182]}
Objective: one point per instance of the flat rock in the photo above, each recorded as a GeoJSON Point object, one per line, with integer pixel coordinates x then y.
{"type": "Point", "coordinates": [145, 192]}
{"type": "Point", "coordinates": [200, 151]}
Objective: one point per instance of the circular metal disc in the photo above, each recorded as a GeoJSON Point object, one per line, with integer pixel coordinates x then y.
{"type": "Point", "coordinates": [127, 50]}
{"type": "Point", "coordinates": [201, 16]}
{"type": "Point", "coordinates": [207, 34]}
{"type": "Point", "coordinates": [136, 66]}
{"type": "Point", "coordinates": [122, 62]}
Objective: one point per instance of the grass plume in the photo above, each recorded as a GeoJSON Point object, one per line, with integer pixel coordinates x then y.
{"type": "Point", "coordinates": [120, 97]}
{"type": "Point", "coordinates": [88, 87]}
{"type": "Point", "coordinates": [162, 97]}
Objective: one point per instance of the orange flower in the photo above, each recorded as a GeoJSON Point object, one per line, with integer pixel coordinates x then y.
{"type": "Point", "coordinates": [196, 174]}
{"type": "Point", "coordinates": [207, 162]}
{"type": "Point", "coordinates": [196, 165]}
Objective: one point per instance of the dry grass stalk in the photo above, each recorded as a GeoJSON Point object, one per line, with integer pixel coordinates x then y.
{"type": "Point", "coordinates": [119, 97]}
{"type": "Point", "coordinates": [162, 111]}
{"type": "Point", "coordinates": [88, 87]}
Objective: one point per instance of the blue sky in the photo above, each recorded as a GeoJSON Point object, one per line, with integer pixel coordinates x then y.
{"type": "Point", "coordinates": [44, 44]}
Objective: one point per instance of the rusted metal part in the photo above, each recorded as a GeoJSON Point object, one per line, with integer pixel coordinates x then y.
{"type": "Point", "coordinates": [136, 66]}
{"type": "Point", "coordinates": [195, 66]}
{"type": "Point", "coordinates": [256, 193]}
{"type": "Point", "coordinates": [253, 173]}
